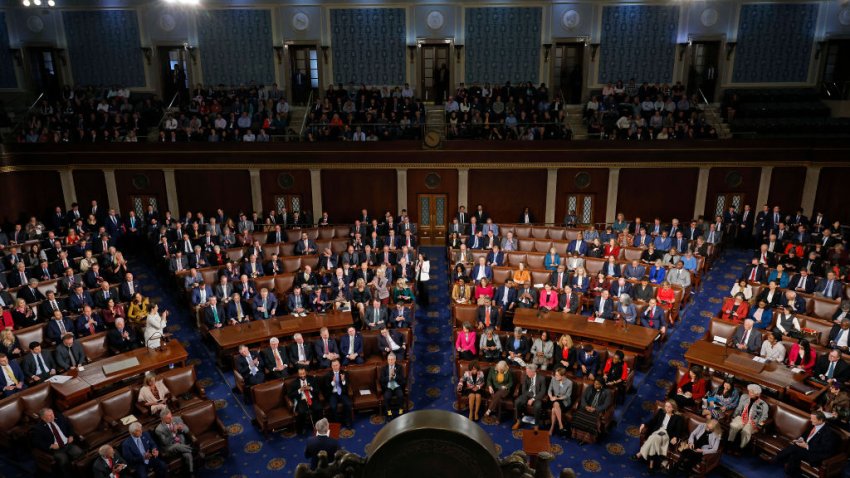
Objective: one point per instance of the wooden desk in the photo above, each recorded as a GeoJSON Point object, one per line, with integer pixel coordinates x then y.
{"type": "Point", "coordinates": [534, 443]}
{"type": "Point", "coordinates": [635, 338]}
{"type": "Point", "coordinates": [771, 375]}
{"type": "Point", "coordinates": [87, 383]}
{"type": "Point", "coordinates": [230, 337]}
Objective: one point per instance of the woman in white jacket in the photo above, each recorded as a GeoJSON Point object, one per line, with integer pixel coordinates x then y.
{"type": "Point", "coordinates": [155, 327]}
{"type": "Point", "coordinates": [423, 268]}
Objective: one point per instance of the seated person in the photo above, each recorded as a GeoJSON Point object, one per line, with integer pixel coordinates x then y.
{"type": "Point", "coordinates": [351, 347]}
{"type": "Point", "coordinates": [665, 295]}
{"type": "Point", "coordinates": [742, 287]}
{"type": "Point", "coordinates": [517, 347]}
{"type": "Point", "coordinates": [831, 368]}
{"type": "Point", "coordinates": [304, 394]}
{"type": "Point", "coordinates": [466, 342]}
{"type": "Point", "coordinates": [392, 382]}
{"type": "Point", "coordinates": [735, 309]}
{"type": "Point", "coordinates": [761, 315]}
{"type": "Point", "coordinates": [746, 339]}
{"type": "Point", "coordinates": [749, 417]}
{"type": "Point", "coordinates": [691, 388]}
{"type": "Point", "coordinates": [704, 440]}
{"type": "Point", "coordinates": [722, 399]}
{"type": "Point", "coordinates": [154, 395]}
{"type": "Point", "coordinates": [530, 397]}
{"type": "Point", "coordinates": [772, 349]}
{"type": "Point", "coordinates": [461, 292]}
{"type": "Point", "coordinates": [813, 448]}
{"type": "Point", "coordinates": [787, 323]}
{"type": "Point", "coordinates": [665, 428]}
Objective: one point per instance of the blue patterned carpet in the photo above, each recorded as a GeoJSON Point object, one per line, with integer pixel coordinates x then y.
{"type": "Point", "coordinates": [433, 387]}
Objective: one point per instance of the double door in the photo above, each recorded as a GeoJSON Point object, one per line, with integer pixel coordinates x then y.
{"type": "Point", "coordinates": [433, 211]}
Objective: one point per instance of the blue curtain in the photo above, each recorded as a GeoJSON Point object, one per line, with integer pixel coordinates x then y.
{"type": "Point", "coordinates": [236, 46]}
{"type": "Point", "coordinates": [502, 44]}
{"type": "Point", "coordinates": [638, 41]}
{"type": "Point", "coordinates": [368, 45]}
{"type": "Point", "coordinates": [104, 47]}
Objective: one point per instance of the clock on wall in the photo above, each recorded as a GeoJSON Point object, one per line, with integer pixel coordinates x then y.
{"type": "Point", "coordinates": [571, 19]}
{"type": "Point", "coordinates": [708, 17]}
{"type": "Point", "coordinates": [435, 20]}
{"type": "Point", "coordinates": [300, 21]}
{"type": "Point", "coordinates": [167, 22]}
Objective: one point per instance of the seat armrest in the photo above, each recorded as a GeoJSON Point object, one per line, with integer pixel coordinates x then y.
{"type": "Point", "coordinates": [260, 414]}
{"type": "Point", "coordinates": [219, 425]}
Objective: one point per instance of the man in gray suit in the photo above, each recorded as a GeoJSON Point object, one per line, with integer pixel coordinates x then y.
{"type": "Point", "coordinates": [69, 354]}
{"type": "Point", "coordinates": [746, 338]}
{"type": "Point", "coordinates": [174, 438]}
{"type": "Point", "coordinates": [530, 398]}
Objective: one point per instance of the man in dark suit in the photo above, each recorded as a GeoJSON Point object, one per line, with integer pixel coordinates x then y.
{"type": "Point", "coordinates": [829, 287]}
{"type": "Point", "coordinates": [274, 359]}
{"type": "Point", "coordinates": [802, 282]}
{"type": "Point", "coordinates": [275, 236]}
{"type": "Point", "coordinates": [488, 316]}
{"type": "Point", "coordinates": [578, 245]}
{"type": "Point", "coordinates": [325, 349]}
{"type": "Point", "coordinates": [30, 292]}
{"type": "Point", "coordinates": [300, 354]}
{"type": "Point", "coordinates": [746, 338]}
{"type": "Point", "coordinates": [122, 338]}
{"type": "Point", "coordinates": [392, 382]}
{"type": "Point", "coordinates": [335, 388]}
{"type": "Point", "coordinates": [620, 287]}
{"type": "Point", "coordinates": [505, 297]}
{"type": "Point", "coordinates": [653, 317]}
{"type": "Point", "coordinates": [128, 288]}
{"type": "Point", "coordinates": [36, 365]}
{"type": "Point", "coordinates": [831, 367]}
{"type": "Point", "coordinates": [249, 367]}
{"type": "Point", "coordinates": [755, 272]}
{"type": "Point", "coordinates": [69, 354]}
{"type": "Point", "coordinates": [321, 442]}
{"type": "Point", "coordinates": [12, 379]}
{"type": "Point", "coordinates": [214, 315]}
{"type": "Point", "coordinates": [392, 341]}
{"type": "Point", "coordinates": [517, 347]}
{"type": "Point", "coordinates": [142, 454]}
{"type": "Point", "coordinates": [51, 304]}
{"type": "Point", "coordinates": [530, 396]}
{"type": "Point", "coordinates": [603, 306]}
{"type": "Point", "coordinates": [839, 335]}
{"type": "Point", "coordinates": [88, 323]}
{"type": "Point", "coordinates": [375, 316]}
{"type": "Point", "coordinates": [103, 294]}
{"type": "Point", "coordinates": [305, 246]}
{"type": "Point", "coordinates": [108, 464]}
{"type": "Point", "coordinates": [351, 347]}
{"type": "Point", "coordinates": [814, 447]}
{"type": "Point", "coordinates": [569, 301]}
{"type": "Point", "coordinates": [400, 317]}
{"type": "Point", "coordinates": [304, 393]}
{"type": "Point", "coordinates": [265, 305]}
{"type": "Point", "coordinates": [53, 435]}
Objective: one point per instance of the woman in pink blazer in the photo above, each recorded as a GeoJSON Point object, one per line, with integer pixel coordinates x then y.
{"type": "Point", "coordinates": [548, 299]}
{"type": "Point", "coordinates": [802, 355]}
{"type": "Point", "coordinates": [465, 343]}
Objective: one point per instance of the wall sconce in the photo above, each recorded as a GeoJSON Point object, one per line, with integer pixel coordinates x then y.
{"type": "Point", "coordinates": [325, 49]}
{"type": "Point", "coordinates": [683, 47]}
{"type": "Point", "coordinates": [412, 50]}
{"type": "Point", "coordinates": [821, 45]}
{"type": "Point", "coordinates": [16, 54]}
{"type": "Point", "coordinates": [458, 52]}
{"type": "Point", "coordinates": [593, 48]}
{"type": "Point", "coordinates": [547, 47]}
{"type": "Point", "coordinates": [148, 53]}
{"type": "Point", "coordinates": [278, 51]}
{"type": "Point", "coordinates": [730, 48]}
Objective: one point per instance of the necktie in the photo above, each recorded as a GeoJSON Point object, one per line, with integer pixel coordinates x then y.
{"type": "Point", "coordinates": [215, 314]}
{"type": "Point", "coordinates": [71, 355]}
{"type": "Point", "coordinates": [301, 356]}
{"type": "Point", "coordinates": [42, 367]}
{"type": "Point", "coordinates": [54, 305]}
{"type": "Point", "coordinates": [802, 283]}
{"type": "Point", "coordinates": [828, 289]}
{"type": "Point", "coordinates": [746, 337]}
{"type": "Point", "coordinates": [487, 317]}
{"type": "Point", "coordinates": [10, 375]}
{"type": "Point", "coordinates": [307, 393]}
{"type": "Point", "coordinates": [91, 326]}
{"type": "Point", "coordinates": [812, 433]}
{"type": "Point", "coordinates": [830, 371]}
{"type": "Point", "coordinates": [753, 274]}
{"type": "Point", "coordinates": [326, 346]}
{"type": "Point", "coordinates": [56, 435]}
{"type": "Point", "coordinates": [23, 278]}
{"type": "Point", "coordinates": [266, 311]}
{"type": "Point", "coordinates": [839, 336]}
{"type": "Point", "coordinates": [651, 316]}
{"type": "Point", "coordinates": [337, 387]}
{"type": "Point", "coordinates": [278, 362]}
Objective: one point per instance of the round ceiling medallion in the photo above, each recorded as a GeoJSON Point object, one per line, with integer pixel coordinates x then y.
{"type": "Point", "coordinates": [35, 24]}
{"type": "Point", "coordinates": [433, 180]}
{"type": "Point", "coordinates": [734, 179]}
{"type": "Point", "coordinates": [300, 21]}
{"type": "Point", "coordinates": [167, 22]}
{"type": "Point", "coordinates": [140, 181]}
{"type": "Point", "coordinates": [285, 180]}
{"type": "Point", "coordinates": [435, 20]}
{"type": "Point", "coordinates": [570, 19]}
{"type": "Point", "coordinates": [582, 180]}
{"type": "Point", "coordinates": [709, 17]}
{"type": "Point", "coordinates": [844, 16]}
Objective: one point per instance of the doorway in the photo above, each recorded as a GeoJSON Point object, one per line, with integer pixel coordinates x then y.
{"type": "Point", "coordinates": [582, 206]}
{"type": "Point", "coordinates": [45, 72]}
{"type": "Point", "coordinates": [434, 84]}
{"type": "Point", "coordinates": [568, 71]}
{"type": "Point", "coordinates": [174, 78]}
{"type": "Point", "coordinates": [836, 69]}
{"type": "Point", "coordinates": [703, 70]}
{"type": "Point", "coordinates": [304, 65]}
{"type": "Point", "coordinates": [432, 209]}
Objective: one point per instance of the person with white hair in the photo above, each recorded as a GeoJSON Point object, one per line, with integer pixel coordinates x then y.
{"type": "Point", "coordinates": [141, 453]}
{"type": "Point", "coordinates": [109, 464]}
{"type": "Point", "coordinates": [750, 416]}
{"type": "Point", "coordinates": [175, 438]}
{"type": "Point", "coordinates": [322, 442]}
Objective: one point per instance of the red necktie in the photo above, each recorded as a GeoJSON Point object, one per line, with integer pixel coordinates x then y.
{"type": "Point", "coordinates": [812, 433]}
{"type": "Point", "coordinates": [326, 346]}
{"type": "Point", "coordinates": [487, 317]}
{"type": "Point", "coordinates": [56, 434]}
{"type": "Point", "coordinates": [91, 328]}
{"type": "Point", "coordinates": [753, 274]}
{"type": "Point", "coordinates": [307, 396]}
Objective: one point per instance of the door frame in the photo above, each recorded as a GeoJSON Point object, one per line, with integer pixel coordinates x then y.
{"type": "Point", "coordinates": [436, 237]}
{"type": "Point", "coordinates": [418, 69]}
{"type": "Point", "coordinates": [722, 62]}
{"type": "Point", "coordinates": [585, 63]}
{"type": "Point", "coordinates": [286, 67]}
{"type": "Point", "coordinates": [60, 63]}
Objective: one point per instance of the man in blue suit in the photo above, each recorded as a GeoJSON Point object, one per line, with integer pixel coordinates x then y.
{"type": "Point", "coordinates": [829, 288]}
{"type": "Point", "coordinates": [642, 240]}
{"type": "Point", "coordinates": [201, 294]}
{"type": "Point", "coordinates": [297, 303]}
{"type": "Point", "coordinates": [305, 246]}
{"type": "Point", "coordinates": [482, 270]}
{"type": "Point", "coordinates": [495, 257]}
{"type": "Point", "coordinates": [141, 453]}
{"type": "Point", "coordinates": [11, 376]}
{"type": "Point", "coordinates": [325, 349]}
{"type": "Point", "coordinates": [634, 271]}
{"type": "Point", "coordinates": [351, 347]}
{"type": "Point", "coordinates": [603, 306]}
{"type": "Point", "coordinates": [476, 241]}
{"type": "Point", "coordinates": [58, 326]}
{"type": "Point", "coordinates": [578, 245]}
{"type": "Point", "coordinates": [400, 316]}
{"type": "Point", "coordinates": [265, 305]}
{"type": "Point", "coordinates": [505, 297]}
{"type": "Point", "coordinates": [653, 317]}
{"type": "Point", "coordinates": [621, 287]}
{"type": "Point", "coordinates": [662, 242]}
{"type": "Point", "coordinates": [679, 242]}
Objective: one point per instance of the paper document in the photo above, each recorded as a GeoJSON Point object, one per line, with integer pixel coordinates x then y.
{"type": "Point", "coordinates": [59, 378]}
{"type": "Point", "coordinates": [365, 392]}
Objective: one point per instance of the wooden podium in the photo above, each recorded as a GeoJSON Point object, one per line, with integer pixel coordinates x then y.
{"type": "Point", "coordinates": [534, 443]}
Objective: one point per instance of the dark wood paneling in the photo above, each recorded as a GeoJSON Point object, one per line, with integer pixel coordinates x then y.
{"type": "Point", "coordinates": [207, 191]}
{"type": "Point", "coordinates": [832, 197]}
{"type": "Point", "coordinates": [29, 193]}
{"type": "Point", "coordinates": [504, 193]}
{"type": "Point", "coordinates": [567, 185]}
{"type": "Point", "coordinates": [722, 180]}
{"type": "Point", "coordinates": [786, 189]}
{"type": "Point", "coordinates": [666, 193]}
{"type": "Point", "coordinates": [300, 186]}
{"type": "Point", "coordinates": [346, 191]}
{"type": "Point", "coordinates": [90, 185]}
{"type": "Point", "coordinates": [147, 182]}
{"type": "Point", "coordinates": [416, 185]}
